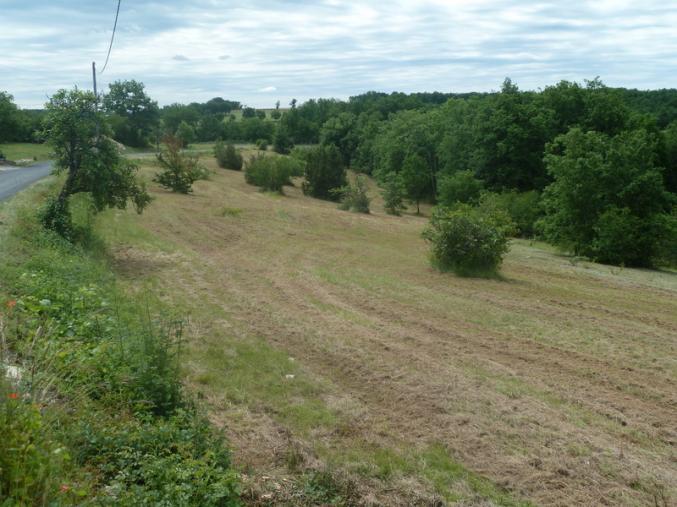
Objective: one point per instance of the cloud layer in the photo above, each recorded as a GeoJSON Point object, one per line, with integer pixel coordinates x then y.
{"type": "Point", "coordinates": [261, 51]}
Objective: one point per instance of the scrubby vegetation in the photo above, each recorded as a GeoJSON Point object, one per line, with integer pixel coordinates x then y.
{"type": "Point", "coordinates": [227, 156]}
{"type": "Point", "coordinates": [354, 196]}
{"type": "Point", "coordinates": [393, 194]}
{"type": "Point", "coordinates": [271, 173]}
{"type": "Point", "coordinates": [93, 410]}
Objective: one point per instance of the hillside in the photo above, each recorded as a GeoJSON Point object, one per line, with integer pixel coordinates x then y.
{"type": "Point", "coordinates": [321, 338]}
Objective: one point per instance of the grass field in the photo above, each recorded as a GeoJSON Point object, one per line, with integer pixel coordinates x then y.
{"type": "Point", "coordinates": [24, 151]}
{"type": "Point", "coordinates": [322, 338]}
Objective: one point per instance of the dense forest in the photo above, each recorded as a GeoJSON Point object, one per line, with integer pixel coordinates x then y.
{"type": "Point", "coordinates": [585, 166]}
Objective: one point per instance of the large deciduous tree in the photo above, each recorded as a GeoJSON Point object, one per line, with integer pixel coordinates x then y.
{"type": "Point", "coordinates": [75, 130]}
{"type": "Point", "coordinates": [134, 113]}
{"type": "Point", "coordinates": [608, 200]}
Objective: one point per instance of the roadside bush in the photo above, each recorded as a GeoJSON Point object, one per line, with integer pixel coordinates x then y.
{"type": "Point", "coordinates": [459, 187]}
{"type": "Point", "coordinates": [523, 208]}
{"type": "Point", "coordinates": [269, 172]}
{"type": "Point", "coordinates": [393, 194]}
{"type": "Point", "coordinates": [324, 172]}
{"type": "Point", "coordinates": [179, 171]}
{"type": "Point", "coordinates": [354, 196]}
{"type": "Point", "coordinates": [227, 156]}
{"type": "Point", "coordinates": [466, 242]}
{"type": "Point", "coordinates": [262, 144]}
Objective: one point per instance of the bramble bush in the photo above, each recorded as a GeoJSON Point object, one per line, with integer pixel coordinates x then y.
{"type": "Point", "coordinates": [227, 156]}
{"type": "Point", "coordinates": [466, 241]}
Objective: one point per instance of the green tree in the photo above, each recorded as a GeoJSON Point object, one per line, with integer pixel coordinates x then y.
{"type": "Point", "coordinates": [393, 194]}
{"type": "Point", "coordinates": [324, 172]}
{"type": "Point", "coordinates": [341, 132]}
{"type": "Point", "coordinates": [607, 192]}
{"type": "Point", "coordinates": [459, 187]}
{"type": "Point", "coordinates": [136, 113]}
{"type": "Point", "coordinates": [416, 180]}
{"type": "Point", "coordinates": [185, 133]}
{"type": "Point", "coordinates": [282, 143]}
{"type": "Point", "coordinates": [179, 171]}
{"type": "Point", "coordinates": [354, 196]}
{"type": "Point", "coordinates": [9, 118]}
{"type": "Point", "coordinates": [227, 156]}
{"type": "Point", "coordinates": [92, 163]}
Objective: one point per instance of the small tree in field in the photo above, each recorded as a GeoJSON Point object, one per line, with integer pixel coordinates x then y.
{"type": "Point", "coordinates": [354, 196]}
{"type": "Point", "coordinates": [227, 156]}
{"type": "Point", "coordinates": [324, 172]}
{"type": "Point", "coordinates": [75, 130]}
{"type": "Point", "coordinates": [466, 242]}
{"type": "Point", "coordinates": [393, 194]}
{"type": "Point", "coordinates": [186, 134]}
{"type": "Point", "coordinates": [415, 176]}
{"type": "Point", "coordinates": [179, 171]}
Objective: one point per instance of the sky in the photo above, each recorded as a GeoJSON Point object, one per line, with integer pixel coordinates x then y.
{"type": "Point", "coordinates": [261, 51]}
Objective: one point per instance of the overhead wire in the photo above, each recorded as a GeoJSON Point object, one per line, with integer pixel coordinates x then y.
{"type": "Point", "coordinates": [110, 47]}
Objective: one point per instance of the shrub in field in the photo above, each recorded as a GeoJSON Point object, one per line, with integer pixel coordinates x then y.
{"type": "Point", "coordinates": [268, 172]}
{"type": "Point", "coordinates": [324, 172]}
{"type": "Point", "coordinates": [393, 194]}
{"type": "Point", "coordinates": [466, 242]}
{"type": "Point", "coordinates": [459, 187]}
{"type": "Point", "coordinates": [180, 171]}
{"type": "Point", "coordinates": [227, 156]}
{"type": "Point", "coordinates": [262, 144]}
{"type": "Point", "coordinates": [354, 196]}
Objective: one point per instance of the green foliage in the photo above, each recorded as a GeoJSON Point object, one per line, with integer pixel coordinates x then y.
{"type": "Point", "coordinates": [31, 461]}
{"type": "Point", "coordinates": [607, 193]}
{"type": "Point", "coordinates": [324, 172]}
{"type": "Point", "coordinates": [523, 208]}
{"type": "Point", "coordinates": [123, 431]}
{"type": "Point", "coordinates": [92, 162]}
{"type": "Point", "coordinates": [282, 143]}
{"type": "Point", "coordinates": [393, 194]}
{"type": "Point", "coordinates": [186, 134]}
{"type": "Point", "coordinates": [262, 144]}
{"type": "Point", "coordinates": [460, 187]}
{"type": "Point", "coordinates": [133, 114]}
{"type": "Point", "coordinates": [269, 172]}
{"type": "Point", "coordinates": [466, 242]}
{"type": "Point", "coordinates": [9, 118]}
{"type": "Point", "coordinates": [180, 171]}
{"type": "Point", "coordinates": [227, 156]}
{"type": "Point", "coordinates": [416, 179]}
{"type": "Point", "coordinates": [341, 132]}
{"type": "Point", "coordinates": [354, 195]}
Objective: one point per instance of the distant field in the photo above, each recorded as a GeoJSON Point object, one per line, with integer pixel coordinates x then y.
{"type": "Point", "coordinates": [20, 151]}
{"type": "Point", "coordinates": [323, 338]}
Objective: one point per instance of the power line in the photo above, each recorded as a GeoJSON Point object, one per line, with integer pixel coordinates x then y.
{"type": "Point", "coordinates": [117, 14]}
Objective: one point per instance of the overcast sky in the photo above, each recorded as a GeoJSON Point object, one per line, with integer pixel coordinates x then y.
{"type": "Point", "coordinates": [259, 51]}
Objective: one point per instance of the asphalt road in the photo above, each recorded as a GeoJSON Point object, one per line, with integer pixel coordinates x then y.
{"type": "Point", "coordinates": [14, 180]}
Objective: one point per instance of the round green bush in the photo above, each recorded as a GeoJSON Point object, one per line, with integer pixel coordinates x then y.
{"type": "Point", "coordinates": [466, 242]}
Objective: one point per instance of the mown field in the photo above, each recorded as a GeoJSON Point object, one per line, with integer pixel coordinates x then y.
{"type": "Point", "coordinates": [24, 151]}
{"type": "Point", "coordinates": [323, 340]}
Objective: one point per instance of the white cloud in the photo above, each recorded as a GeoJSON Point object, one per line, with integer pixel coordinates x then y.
{"type": "Point", "coordinates": [268, 89]}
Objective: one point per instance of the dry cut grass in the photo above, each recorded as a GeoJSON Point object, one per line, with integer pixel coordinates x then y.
{"type": "Point", "coordinates": [323, 338]}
